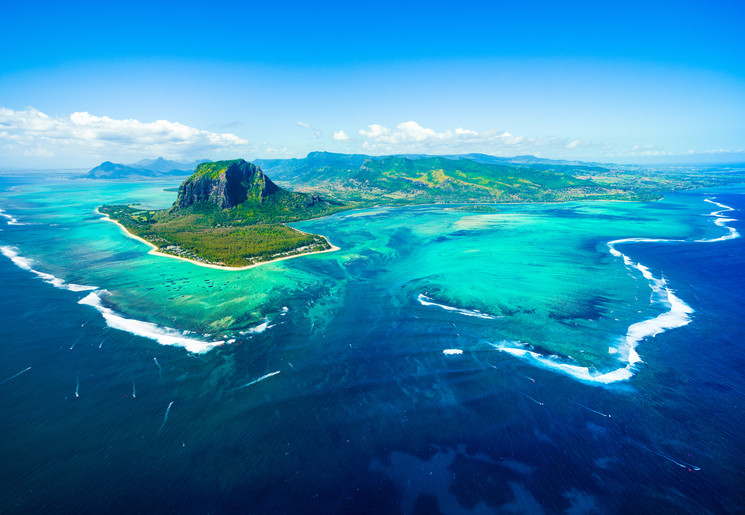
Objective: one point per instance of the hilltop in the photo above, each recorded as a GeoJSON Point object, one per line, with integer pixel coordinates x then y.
{"type": "Point", "coordinates": [480, 178]}
{"type": "Point", "coordinates": [445, 179]}
{"type": "Point", "coordinates": [228, 213]}
{"type": "Point", "coordinates": [143, 169]}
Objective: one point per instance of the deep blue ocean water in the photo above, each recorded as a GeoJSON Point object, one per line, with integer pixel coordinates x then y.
{"type": "Point", "coordinates": [108, 421]}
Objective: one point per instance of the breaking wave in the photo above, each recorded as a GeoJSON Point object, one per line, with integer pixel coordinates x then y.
{"type": "Point", "coordinates": [163, 335]}
{"type": "Point", "coordinates": [426, 301]}
{"type": "Point", "coordinates": [677, 315]}
{"type": "Point", "coordinates": [25, 263]}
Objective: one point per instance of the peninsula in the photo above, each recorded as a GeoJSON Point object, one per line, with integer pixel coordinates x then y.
{"type": "Point", "coordinates": [228, 214]}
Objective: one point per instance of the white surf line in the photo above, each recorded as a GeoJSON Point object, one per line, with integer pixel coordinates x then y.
{"type": "Point", "coordinates": [14, 376]}
{"type": "Point", "coordinates": [532, 399]}
{"type": "Point", "coordinates": [679, 463]}
{"type": "Point", "coordinates": [256, 380]}
{"type": "Point", "coordinates": [25, 263]}
{"type": "Point", "coordinates": [451, 352]}
{"type": "Point", "coordinates": [677, 316]}
{"type": "Point", "coordinates": [721, 221]}
{"type": "Point", "coordinates": [165, 418]}
{"type": "Point", "coordinates": [162, 335]}
{"type": "Point", "coordinates": [589, 409]}
{"type": "Point", "coordinates": [11, 219]}
{"type": "Point", "coordinates": [426, 301]}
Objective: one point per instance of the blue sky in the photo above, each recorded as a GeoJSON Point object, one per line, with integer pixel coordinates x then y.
{"type": "Point", "coordinates": [640, 82]}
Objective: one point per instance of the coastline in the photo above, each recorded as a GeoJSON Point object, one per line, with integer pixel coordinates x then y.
{"type": "Point", "coordinates": [154, 250]}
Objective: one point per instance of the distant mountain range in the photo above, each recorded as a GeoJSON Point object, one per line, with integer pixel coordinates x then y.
{"type": "Point", "coordinates": [319, 165]}
{"type": "Point", "coordinates": [455, 178]}
{"type": "Point", "coordinates": [143, 169]}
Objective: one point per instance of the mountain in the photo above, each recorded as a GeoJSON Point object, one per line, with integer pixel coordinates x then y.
{"type": "Point", "coordinates": [421, 178]}
{"type": "Point", "coordinates": [312, 168]}
{"type": "Point", "coordinates": [164, 165]}
{"type": "Point", "coordinates": [229, 213]}
{"type": "Point", "coordinates": [109, 170]}
{"type": "Point", "coordinates": [240, 191]}
{"type": "Point", "coordinates": [143, 169]}
{"type": "Point", "coordinates": [226, 184]}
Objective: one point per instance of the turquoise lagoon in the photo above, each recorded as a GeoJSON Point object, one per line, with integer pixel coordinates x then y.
{"type": "Point", "coordinates": [537, 277]}
{"type": "Point", "coordinates": [441, 358]}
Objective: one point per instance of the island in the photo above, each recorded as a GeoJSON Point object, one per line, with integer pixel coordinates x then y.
{"type": "Point", "coordinates": [228, 214]}
{"type": "Point", "coordinates": [142, 170]}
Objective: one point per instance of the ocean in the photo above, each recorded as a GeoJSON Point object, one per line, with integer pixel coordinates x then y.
{"type": "Point", "coordinates": [545, 358]}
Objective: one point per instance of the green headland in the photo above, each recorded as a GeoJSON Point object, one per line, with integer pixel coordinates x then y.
{"type": "Point", "coordinates": [229, 213]}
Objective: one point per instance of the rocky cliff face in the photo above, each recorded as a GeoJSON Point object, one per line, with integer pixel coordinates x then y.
{"type": "Point", "coordinates": [225, 183]}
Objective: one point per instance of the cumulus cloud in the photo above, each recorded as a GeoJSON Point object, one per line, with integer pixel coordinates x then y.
{"type": "Point", "coordinates": [303, 125]}
{"type": "Point", "coordinates": [31, 132]}
{"type": "Point", "coordinates": [340, 136]}
{"type": "Point", "coordinates": [410, 136]}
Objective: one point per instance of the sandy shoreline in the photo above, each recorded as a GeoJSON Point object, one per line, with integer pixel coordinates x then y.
{"type": "Point", "coordinates": [154, 250]}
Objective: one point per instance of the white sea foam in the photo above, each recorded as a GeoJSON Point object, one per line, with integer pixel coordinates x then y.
{"type": "Point", "coordinates": [266, 324]}
{"type": "Point", "coordinates": [452, 351]}
{"type": "Point", "coordinates": [25, 264]}
{"type": "Point", "coordinates": [163, 335]}
{"type": "Point", "coordinates": [570, 369]}
{"type": "Point", "coordinates": [11, 219]}
{"type": "Point", "coordinates": [678, 315]}
{"type": "Point", "coordinates": [721, 220]}
{"type": "Point", "coordinates": [259, 328]}
{"type": "Point", "coordinates": [426, 301]}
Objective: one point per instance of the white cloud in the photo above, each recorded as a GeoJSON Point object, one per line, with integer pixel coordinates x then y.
{"type": "Point", "coordinates": [376, 131]}
{"type": "Point", "coordinates": [410, 137]}
{"type": "Point", "coordinates": [31, 132]}
{"type": "Point", "coordinates": [340, 136]}
{"type": "Point", "coordinates": [303, 125]}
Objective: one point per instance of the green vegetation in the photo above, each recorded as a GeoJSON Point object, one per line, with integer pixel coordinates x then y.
{"type": "Point", "coordinates": [213, 170]}
{"type": "Point", "coordinates": [230, 213]}
{"type": "Point", "coordinates": [654, 184]}
{"type": "Point", "coordinates": [198, 236]}
{"type": "Point", "coordinates": [365, 180]}
{"type": "Point", "coordinates": [252, 231]}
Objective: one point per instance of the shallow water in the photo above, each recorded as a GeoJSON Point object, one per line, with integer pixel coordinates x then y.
{"type": "Point", "coordinates": [327, 388]}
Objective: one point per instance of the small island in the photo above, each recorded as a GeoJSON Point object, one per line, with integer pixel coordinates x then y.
{"type": "Point", "coordinates": [228, 214]}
